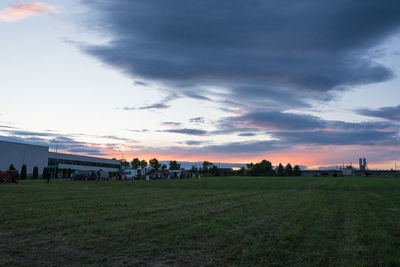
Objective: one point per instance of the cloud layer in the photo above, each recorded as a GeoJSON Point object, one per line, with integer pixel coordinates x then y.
{"type": "Point", "coordinates": [274, 53]}
{"type": "Point", "coordinates": [24, 10]}
{"type": "Point", "coordinates": [387, 113]}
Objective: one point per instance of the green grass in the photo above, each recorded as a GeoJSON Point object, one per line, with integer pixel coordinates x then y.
{"type": "Point", "coordinates": [212, 221]}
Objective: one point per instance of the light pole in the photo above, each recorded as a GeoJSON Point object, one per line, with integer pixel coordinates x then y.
{"type": "Point", "coordinates": [55, 160]}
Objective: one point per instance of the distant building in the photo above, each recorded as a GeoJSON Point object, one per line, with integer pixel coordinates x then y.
{"type": "Point", "coordinates": [39, 156]}
{"type": "Point", "coordinates": [348, 171]}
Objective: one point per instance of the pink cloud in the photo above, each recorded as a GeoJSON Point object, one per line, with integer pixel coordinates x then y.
{"type": "Point", "coordinates": [24, 10]}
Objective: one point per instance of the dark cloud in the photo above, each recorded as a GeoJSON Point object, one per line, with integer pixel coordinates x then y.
{"type": "Point", "coordinates": [366, 137]}
{"type": "Point", "coordinates": [137, 131]}
{"type": "Point", "coordinates": [186, 131]}
{"type": "Point", "coordinates": [156, 106]}
{"type": "Point", "coordinates": [194, 142]}
{"type": "Point", "coordinates": [61, 142]}
{"type": "Point", "coordinates": [197, 120]}
{"type": "Point", "coordinates": [247, 134]}
{"type": "Point", "coordinates": [279, 53]}
{"type": "Point", "coordinates": [388, 113]}
{"type": "Point", "coordinates": [170, 123]}
{"type": "Point", "coordinates": [153, 106]}
{"type": "Point", "coordinates": [273, 120]}
{"type": "Point", "coordinates": [116, 138]}
{"type": "Point", "coordinates": [195, 95]}
{"type": "Point", "coordinates": [7, 127]}
{"type": "Point", "coordinates": [252, 148]}
{"type": "Point", "coordinates": [141, 83]}
{"type": "Point", "coordinates": [301, 129]}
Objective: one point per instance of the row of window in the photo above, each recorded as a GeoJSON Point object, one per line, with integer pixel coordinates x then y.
{"type": "Point", "coordinates": [54, 162]}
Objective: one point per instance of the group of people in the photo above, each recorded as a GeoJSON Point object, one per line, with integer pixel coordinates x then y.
{"type": "Point", "coordinates": [10, 176]}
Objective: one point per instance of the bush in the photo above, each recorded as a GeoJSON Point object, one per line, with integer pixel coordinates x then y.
{"type": "Point", "coordinates": [35, 173]}
{"type": "Point", "coordinates": [23, 172]}
{"type": "Point", "coordinates": [44, 173]}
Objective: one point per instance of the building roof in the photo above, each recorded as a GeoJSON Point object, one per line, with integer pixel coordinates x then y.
{"type": "Point", "coordinates": [25, 144]}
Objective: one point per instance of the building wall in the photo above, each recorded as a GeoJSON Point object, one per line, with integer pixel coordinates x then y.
{"type": "Point", "coordinates": [77, 162]}
{"type": "Point", "coordinates": [19, 154]}
{"type": "Point", "coordinates": [86, 168]}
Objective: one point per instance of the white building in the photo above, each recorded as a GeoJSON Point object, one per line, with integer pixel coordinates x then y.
{"type": "Point", "coordinates": [19, 154]}
{"type": "Point", "coordinates": [39, 156]}
{"type": "Point", "coordinates": [77, 162]}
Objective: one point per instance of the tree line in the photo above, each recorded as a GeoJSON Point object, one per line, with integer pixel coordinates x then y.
{"type": "Point", "coordinates": [263, 168]}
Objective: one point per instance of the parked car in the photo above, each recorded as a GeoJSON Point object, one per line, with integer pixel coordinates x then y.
{"type": "Point", "coordinates": [83, 175]}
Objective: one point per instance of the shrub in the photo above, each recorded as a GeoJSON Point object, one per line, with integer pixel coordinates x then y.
{"type": "Point", "coordinates": [44, 173]}
{"type": "Point", "coordinates": [23, 172]}
{"type": "Point", "coordinates": [35, 173]}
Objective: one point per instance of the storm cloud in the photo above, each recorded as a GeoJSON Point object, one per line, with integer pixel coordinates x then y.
{"type": "Point", "coordinates": [282, 53]}
{"type": "Point", "coordinates": [186, 131]}
{"type": "Point", "coordinates": [257, 60]}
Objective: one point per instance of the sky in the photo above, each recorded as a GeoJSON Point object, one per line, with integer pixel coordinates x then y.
{"type": "Point", "coordinates": [314, 83]}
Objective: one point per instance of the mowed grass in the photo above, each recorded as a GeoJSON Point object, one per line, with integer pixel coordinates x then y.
{"type": "Point", "coordinates": [212, 221]}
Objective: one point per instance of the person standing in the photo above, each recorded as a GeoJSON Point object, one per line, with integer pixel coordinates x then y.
{"type": "Point", "coordinates": [48, 174]}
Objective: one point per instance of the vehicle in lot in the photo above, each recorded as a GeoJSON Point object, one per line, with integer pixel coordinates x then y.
{"type": "Point", "coordinates": [83, 175]}
{"type": "Point", "coordinates": [131, 174]}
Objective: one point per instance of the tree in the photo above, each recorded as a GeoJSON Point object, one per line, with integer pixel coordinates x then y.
{"type": "Point", "coordinates": [281, 170]}
{"type": "Point", "coordinates": [206, 165]}
{"type": "Point", "coordinates": [124, 163]}
{"type": "Point", "coordinates": [289, 170]}
{"type": "Point", "coordinates": [64, 173]}
{"type": "Point", "coordinates": [173, 165]}
{"type": "Point", "coordinates": [56, 173]}
{"type": "Point", "coordinates": [135, 163]}
{"type": "Point", "coordinates": [214, 170]}
{"type": "Point", "coordinates": [44, 173]}
{"type": "Point", "coordinates": [143, 164]}
{"type": "Point", "coordinates": [69, 172]}
{"type": "Point", "coordinates": [35, 173]}
{"type": "Point", "coordinates": [23, 172]}
{"type": "Point", "coordinates": [241, 171]}
{"type": "Point", "coordinates": [155, 164]}
{"type": "Point", "coordinates": [264, 168]}
{"type": "Point", "coordinates": [163, 167]}
{"type": "Point", "coordinates": [194, 169]}
{"type": "Point", "coordinates": [296, 171]}
{"type": "Point", "coordinates": [11, 168]}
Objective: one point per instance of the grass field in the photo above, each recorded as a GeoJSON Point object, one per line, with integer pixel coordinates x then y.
{"type": "Point", "coordinates": [213, 221]}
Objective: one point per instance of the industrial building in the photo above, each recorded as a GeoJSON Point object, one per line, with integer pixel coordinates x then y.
{"type": "Point", "coordinates": [32, 156]}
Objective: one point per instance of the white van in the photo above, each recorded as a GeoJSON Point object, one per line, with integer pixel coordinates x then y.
{"type": "Point", "coordinates": [130, 174]}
